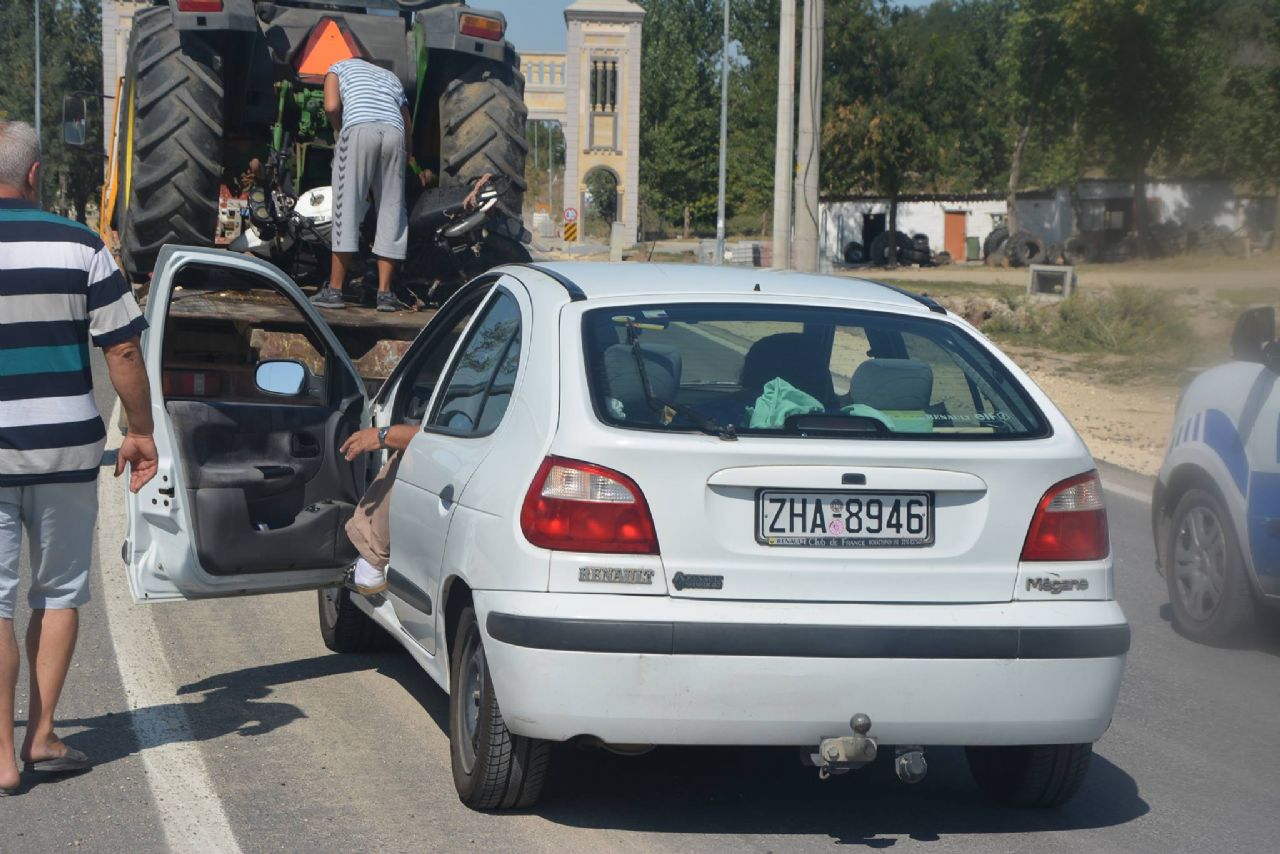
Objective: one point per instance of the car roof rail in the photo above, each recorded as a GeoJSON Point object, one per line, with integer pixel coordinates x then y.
{"type": "Point", "coordinates": [926, 301]}
{"type": "Point", "coordinates": [576, 294]}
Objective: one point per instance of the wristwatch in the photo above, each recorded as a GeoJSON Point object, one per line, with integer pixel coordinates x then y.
{"type": "Point", "coordinates": [382, 436]}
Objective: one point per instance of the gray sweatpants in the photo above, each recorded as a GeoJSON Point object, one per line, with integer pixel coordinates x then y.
{"type": "Point", "coordinates": [370, 157]}
{"type": "Point", "coordinates": [59, 519]}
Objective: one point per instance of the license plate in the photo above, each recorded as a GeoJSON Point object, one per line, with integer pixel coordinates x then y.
{"type": "Point", "coordinates": [844, 519]}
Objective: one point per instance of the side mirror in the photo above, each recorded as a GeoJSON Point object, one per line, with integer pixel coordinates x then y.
{"type": "Point", "coordinates": [75, 120]}
{"type": "Point", "coordinates": [1255, 330]}
{"type": "Point", "coordinates": [281, 376]}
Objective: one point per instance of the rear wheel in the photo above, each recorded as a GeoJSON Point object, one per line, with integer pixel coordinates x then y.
{"type": "Point", "coordinates": [492, 768]}
{"type": "Point", "coordinates": [482, 119]}
{"type": "Point", "coordinates": [344, 627]}
{"type": "Point", "coordinates": [1040, 775]}
{"type": "Point", "coordinates": [174, 133]}
{"type": "Point", "coordinates": [1209, 591]}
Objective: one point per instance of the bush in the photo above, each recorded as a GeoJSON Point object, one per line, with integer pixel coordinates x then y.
{"type": "Point", "coordinates": [1126, 321]}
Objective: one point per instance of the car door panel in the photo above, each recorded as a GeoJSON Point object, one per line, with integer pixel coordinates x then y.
{"type": "Point", "coordinates": [252, 495]}
{"type": "Point", "coordinates": [439, 462]}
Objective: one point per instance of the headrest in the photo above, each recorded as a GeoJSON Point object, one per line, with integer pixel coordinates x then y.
{"type": "Point", "coordinates": [662, 365]}
{"type": "Point", "coordinates": [793, 356]}
{"type": "Point", "coordinates": [893, 384]}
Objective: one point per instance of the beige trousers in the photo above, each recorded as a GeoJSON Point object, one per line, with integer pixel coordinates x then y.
{"type": "Point", "coordinates": [370, 528]}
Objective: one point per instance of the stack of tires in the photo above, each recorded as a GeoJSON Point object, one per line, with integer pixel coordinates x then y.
{"type": "Point", "coordinates": [1020, 249]}
{"type": "Point", "coordinates": [910, 250]}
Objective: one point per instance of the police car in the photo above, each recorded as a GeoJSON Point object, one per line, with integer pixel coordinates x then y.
{"type": "Point", "coordinates": [1216, 507]}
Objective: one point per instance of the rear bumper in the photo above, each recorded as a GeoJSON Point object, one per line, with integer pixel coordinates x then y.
{"type": "Point", "coordinates": [654, 670]}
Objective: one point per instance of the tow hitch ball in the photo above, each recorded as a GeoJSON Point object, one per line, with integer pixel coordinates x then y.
{"type": "Point", "coordinates": [847, 752]}
{"type": "Point", "coordinates": [850, 752]}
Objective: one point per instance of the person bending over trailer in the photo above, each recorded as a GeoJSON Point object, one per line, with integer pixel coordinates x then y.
{"type": "Point", "coordinates": [370, 115]}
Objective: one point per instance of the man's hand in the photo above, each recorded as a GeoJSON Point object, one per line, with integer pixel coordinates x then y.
{"type": "Point", "coordinates": [360, 442]}
{"type": "Point", "coordinates": [140, 453]}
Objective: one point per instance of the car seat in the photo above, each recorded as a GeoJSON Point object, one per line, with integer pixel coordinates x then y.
{"type": "Point", "coordinates": [794, 357]}
{"type": "Point", "coordinates": [900, 388]}
{"type": "Point", "coordinates": [662, 365]}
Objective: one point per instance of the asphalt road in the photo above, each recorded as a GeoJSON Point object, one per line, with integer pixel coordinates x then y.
{"type": "Point", "coordinates": [228, 726]}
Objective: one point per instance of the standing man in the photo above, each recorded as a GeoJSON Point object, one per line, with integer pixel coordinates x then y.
{"type": "Point", "coordinates": [370, 115]}
{"type": "Point", "coordinates": [59, 291]}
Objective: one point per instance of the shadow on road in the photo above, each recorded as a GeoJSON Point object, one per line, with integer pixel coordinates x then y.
{"type": "Point", "coordinates": [230, 703]}
{"type": "Point", "coordinates": [767, 791]}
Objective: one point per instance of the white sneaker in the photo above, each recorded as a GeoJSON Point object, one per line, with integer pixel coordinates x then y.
{"type": "Point", "coordinates": [368, 579]}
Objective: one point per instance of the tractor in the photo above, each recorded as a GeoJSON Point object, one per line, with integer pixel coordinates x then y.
{"type": "Point", "coordinates": [220, 124]}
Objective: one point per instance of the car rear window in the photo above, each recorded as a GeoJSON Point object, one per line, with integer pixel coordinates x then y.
{"type": "Point", "coordinates": [799, 371]}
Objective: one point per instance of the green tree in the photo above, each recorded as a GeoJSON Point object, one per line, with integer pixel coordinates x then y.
{"type": "Point", "coordinates": [1146, 70]}
{"type": "Point", "coordinates": [1038, 84]}
{"type": "Point", "coordinates": [71, 61]}
{"type": "Point", "coordinates": [680, 109]}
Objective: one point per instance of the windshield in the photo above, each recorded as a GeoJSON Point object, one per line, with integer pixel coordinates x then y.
{"type": "Point", "coordinates": [800, 371]}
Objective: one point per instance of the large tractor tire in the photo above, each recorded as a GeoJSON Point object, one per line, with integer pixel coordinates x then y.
{"type": "Point", "coordinates": [482, 118]}
{"type": "Point", "coordinates": [174, 131]}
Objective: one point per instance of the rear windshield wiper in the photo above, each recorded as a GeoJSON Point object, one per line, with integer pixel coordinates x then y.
{"type": "Point", "coordinates": [696, 418]}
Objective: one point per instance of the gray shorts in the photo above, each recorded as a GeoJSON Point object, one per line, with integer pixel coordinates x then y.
{"type": "Point", "coordinates": [59, 519]}
{"type": "Point", "coordinates": [370, 157]}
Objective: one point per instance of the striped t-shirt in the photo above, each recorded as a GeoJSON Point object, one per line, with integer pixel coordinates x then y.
{"type": "Point", "coordinates": [369, 93]}
{"type": "Point", "coordinates": [59, 290]}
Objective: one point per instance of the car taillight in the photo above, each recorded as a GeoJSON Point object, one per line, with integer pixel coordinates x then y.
{"type": "Point", "coordinates": [481, 27]}
{"type": "Point", "coordinates": [579, 507]}
{"type": "Point", "coordinates": [1070, 522]}
{"type": "Point", "coordinates": [199, 5]}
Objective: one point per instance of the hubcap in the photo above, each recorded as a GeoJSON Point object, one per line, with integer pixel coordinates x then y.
{"type": "Point", "coordinates": [1200, 563]}
{"type": "Point", "coordinates": [472, 695]}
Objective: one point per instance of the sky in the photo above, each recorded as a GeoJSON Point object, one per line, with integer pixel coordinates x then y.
{"type": "Point", "coordinates": [538, 25]}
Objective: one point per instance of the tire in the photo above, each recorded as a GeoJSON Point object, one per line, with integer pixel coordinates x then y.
{"type": "Point", "coordinates": [1079, 251]}
{"type": "Point", "coordinates": [1054, 254]}
{"type": "Point", "coordinates": [854, 253]}
{"type": "Point", "coordinates": [879, 251]}
{"type": "Point", "coordinates": [482, 119]}
{"type": "Point", "coordinates": [943, 258]}
{"type": "Point", "coordinates": [1042, 775]}
{"type": "Point", "coordinates": [499, 770]}
{"type": "Point", "coordinates": [994, 241]}
{"type": "Point", "coordinates": [177, 140]}
{"type": "Point", "coordinates": [1192, 571]}
{"type": "Point", "coordinates": [344, 627]}
{"type": "Point", "coordinates": [1024, 249]}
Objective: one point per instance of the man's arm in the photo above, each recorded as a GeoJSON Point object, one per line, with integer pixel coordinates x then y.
{"type": "Point", "coordinates": [129, 377]}
{"type": "Point", "coordinates": [333, 101]}
{"type": "Point", "coordinates": [366, 440]}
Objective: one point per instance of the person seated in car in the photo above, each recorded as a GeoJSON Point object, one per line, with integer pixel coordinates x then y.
{"type": "Point", "coordinates": [369, 529]}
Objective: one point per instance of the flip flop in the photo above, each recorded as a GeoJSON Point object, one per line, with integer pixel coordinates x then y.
{"type": "Point", "coordinates": [72, 760]}
{"type": "Point", "coordinates": [6, 792]}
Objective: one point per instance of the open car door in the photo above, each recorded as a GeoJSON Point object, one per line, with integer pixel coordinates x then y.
{"type": "Point", "coordinates": [252, 396]}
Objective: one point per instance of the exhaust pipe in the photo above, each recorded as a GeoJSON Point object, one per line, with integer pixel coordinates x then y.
{"type": "Point", "coordinates": [909, 764]}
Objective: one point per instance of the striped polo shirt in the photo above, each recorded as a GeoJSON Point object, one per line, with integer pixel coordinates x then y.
{"type": "Point", "coordinates": [59, 290]}
{"type": "Point", "coordinates": [369, 93]}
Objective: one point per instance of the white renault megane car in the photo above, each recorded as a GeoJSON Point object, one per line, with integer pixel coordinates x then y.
{"type": "Point", "coordinates": [656, 505]}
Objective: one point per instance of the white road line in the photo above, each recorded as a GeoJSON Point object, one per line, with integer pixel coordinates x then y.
{"type": "Point", "coordinates": [190, 812]}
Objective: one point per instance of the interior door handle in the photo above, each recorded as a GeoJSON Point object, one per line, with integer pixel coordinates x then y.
{"type": "Point", "coordinates": [304, 445]}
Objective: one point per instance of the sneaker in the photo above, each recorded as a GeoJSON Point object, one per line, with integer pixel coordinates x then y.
{"type": "Point", "coordinates": [328, 298]}
{"type": "Point", "coordinates": [367, 579]}
{"type": "Point", "coordinates": [389, 302]}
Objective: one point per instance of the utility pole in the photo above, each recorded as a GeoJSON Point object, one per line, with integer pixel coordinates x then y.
{"type": "Point", "coordinates": [724, 133]}
{"type": "Point", "coordinates": [37, 5]}
{"type": "Point", "coordinates": [808, 163]}
{"type": "Point", "coordinates": [784, 151]}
